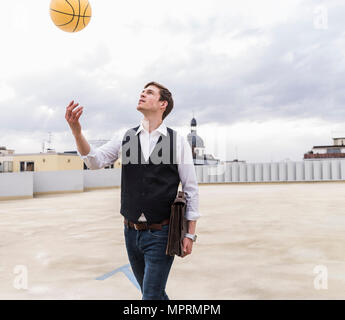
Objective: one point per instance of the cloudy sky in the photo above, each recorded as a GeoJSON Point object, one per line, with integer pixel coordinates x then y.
{"type": "Point", "coordinates": [263, 78]}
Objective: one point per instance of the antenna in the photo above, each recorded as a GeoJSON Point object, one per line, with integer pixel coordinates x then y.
{"type": "Point", "coordinates": [49, 141]}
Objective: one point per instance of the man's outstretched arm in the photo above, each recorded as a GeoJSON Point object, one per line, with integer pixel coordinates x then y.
{"type": "Point", "coordinates": [72, 117]}
{"type": "Point", "coordinates": [95, 158]}
{"type": "Point", "coordinates": [190, 187]}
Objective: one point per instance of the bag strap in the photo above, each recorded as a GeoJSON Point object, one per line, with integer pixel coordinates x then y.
{"type": "Point", "coordinates": [180, 198]}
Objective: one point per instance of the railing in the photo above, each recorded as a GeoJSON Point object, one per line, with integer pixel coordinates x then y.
{"type": "Point", "coordinates": [319, 170]}
{"type": "Point", "coordinates": [26, 184]}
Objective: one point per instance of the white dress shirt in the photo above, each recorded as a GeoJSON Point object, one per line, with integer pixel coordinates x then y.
{"type": "Point", "coordinates": [109, 153]}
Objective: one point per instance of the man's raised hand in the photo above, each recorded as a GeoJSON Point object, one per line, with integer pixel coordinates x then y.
{"type": "Point", "coordinates": [72, 117]}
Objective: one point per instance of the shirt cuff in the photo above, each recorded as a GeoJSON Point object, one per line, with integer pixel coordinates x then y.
{"type": "Point", "coordinates": [192, 215]}
{"type": "Point", "coordinates": [91, 154]}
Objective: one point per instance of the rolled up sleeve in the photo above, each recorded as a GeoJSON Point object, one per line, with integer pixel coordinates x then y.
{"type": "Point", "coordinates": [103, 156]}
{"type": "Point", "coordinates": [188, 179]}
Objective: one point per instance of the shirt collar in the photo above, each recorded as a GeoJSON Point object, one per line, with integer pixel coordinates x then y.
{"type": "Point", "coordinates": [161, 129]}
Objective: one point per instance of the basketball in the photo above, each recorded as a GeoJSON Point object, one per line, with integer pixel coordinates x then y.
{"type": "Point", "coordinates": [70, 15]}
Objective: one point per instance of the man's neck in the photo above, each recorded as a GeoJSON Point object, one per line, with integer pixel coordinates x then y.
{"type": "Point", "coordinates": [150, 123]}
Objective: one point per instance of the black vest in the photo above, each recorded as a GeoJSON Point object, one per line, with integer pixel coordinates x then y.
{"type": "Point", "coordinates": [148, 187]}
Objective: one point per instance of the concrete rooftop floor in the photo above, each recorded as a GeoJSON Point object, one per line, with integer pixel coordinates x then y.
{"type": "Point", "coordinates": [255, 241]}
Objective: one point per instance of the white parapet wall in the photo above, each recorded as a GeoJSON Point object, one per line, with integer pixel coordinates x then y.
{"type": "Point", "coordinates": [26, 184]}
{"type": "Point", "coordinates": [335, 170]}
{"type": "Point", "coordinates": [16, 185]}
{"type": "Point", "coordinates": [285, 171]}
{"type": "Point", "coordinates": [300, 171]}
{"type": "Point", "coordinates": [274, 171]}
{"type": "Point", "coordinates": [102, 178]}
{"type": "Point", "coordinates": [58, 181]}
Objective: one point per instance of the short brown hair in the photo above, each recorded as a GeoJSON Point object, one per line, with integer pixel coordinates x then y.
{"type": "Point", "coordinates": [165, 95]}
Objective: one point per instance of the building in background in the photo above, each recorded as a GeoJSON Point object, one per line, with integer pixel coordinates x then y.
{"type": "Point", "coordinates": [49, 161]}
{"type": "Point", "coordinates": [6, 160]}
{"type": "Point", "coordinates": [335, 151]}
{"type": "Point", "coordinates": [198, 147]}
{"type": "Point", "coordinates": [6, 152]}
{"type": "Point", "coordinates": [44, 161]}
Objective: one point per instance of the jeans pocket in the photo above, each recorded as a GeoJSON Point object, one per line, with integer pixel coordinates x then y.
{"type": "Point", "coordinates": [160, 233]}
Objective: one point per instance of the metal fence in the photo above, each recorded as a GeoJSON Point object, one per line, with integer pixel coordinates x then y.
{"type": "Point", "coordinates": [25, 184]}
{"type": "Point", "coordinates": [298, 171]}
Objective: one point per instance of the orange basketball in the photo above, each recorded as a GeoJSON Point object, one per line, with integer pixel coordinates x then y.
{"type": "Point", "coordinates": [70, 15]}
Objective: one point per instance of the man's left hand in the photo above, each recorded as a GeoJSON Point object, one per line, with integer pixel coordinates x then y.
{"type": "Point", "coordinates": [187, 246]}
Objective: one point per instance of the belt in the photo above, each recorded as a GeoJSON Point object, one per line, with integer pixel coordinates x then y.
{"type": "Point", "coordinates": [145, 226]}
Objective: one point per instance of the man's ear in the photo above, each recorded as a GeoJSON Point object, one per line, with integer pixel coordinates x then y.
{"type": "Point", "coordinates": [164, 104]}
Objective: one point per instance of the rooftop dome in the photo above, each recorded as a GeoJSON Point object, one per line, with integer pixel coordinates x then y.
{"type": "Point", "coordinates": [195, 141]}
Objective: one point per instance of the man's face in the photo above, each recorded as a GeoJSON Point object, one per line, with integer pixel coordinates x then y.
{"type": "Point", "coordinates": [149, 101]}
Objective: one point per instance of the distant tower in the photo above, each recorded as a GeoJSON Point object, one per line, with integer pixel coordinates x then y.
{"type": "Point", "coordinates": [196, 143]}
{"type": "Point", "coordinates": [49, 141]}
{"type": "Point", "coordinates": [193, 125]}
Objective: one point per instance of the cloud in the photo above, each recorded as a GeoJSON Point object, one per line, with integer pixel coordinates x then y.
{"type": "Point", "coordinates": [6, 93]}
{"type": "Point", "coordinates": [228, 62]}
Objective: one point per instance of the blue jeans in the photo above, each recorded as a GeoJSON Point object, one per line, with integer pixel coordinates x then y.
{"type": "Point", "coordinates": [150, 264]}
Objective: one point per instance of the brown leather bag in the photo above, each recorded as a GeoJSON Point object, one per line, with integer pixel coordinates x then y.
{"type": "Point", "coordinates": [178, 226]}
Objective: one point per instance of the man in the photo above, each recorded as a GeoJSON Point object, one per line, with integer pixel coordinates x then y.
{"type": "Point", "coordinates": [155, 159]}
